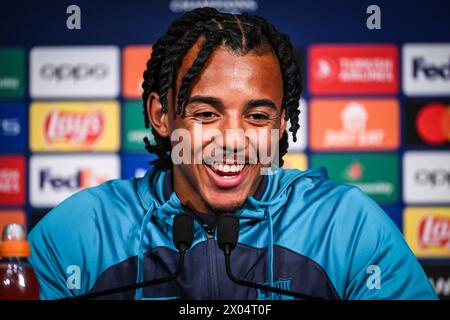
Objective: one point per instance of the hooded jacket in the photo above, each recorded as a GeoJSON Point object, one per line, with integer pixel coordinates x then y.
{"type": "Point", "coordinates": [305, 233]}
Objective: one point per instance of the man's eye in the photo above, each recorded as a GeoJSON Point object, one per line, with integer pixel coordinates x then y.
{"type": "Point", "coordinates": [205, 115]}
{"type": "Point", "coordinates": [258, 116]}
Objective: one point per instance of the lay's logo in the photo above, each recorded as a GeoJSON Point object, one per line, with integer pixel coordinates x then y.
{"type": "Point", "coordinates": [434, 232]}
{"type": "Point", "coordinates": [427, 231]}
{"type": "Point", "coordinates": [74, 126]}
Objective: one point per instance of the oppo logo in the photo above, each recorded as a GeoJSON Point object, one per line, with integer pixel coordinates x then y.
{"type": "Point", "coordinates": [435, 177]}
{"type": "Point", "coordinates": [76, 72]}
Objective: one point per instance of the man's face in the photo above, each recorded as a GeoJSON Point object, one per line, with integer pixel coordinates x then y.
{"type": "Point", "coordinates": [232, 92]}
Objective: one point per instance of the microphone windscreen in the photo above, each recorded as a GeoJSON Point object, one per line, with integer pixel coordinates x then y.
{"type": "Point", "coordinates": [183, 230]}
{"type": "Point", "coordinates": [228, 230]}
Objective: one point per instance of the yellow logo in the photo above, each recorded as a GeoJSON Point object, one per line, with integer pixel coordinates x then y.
{"type": "Point", "coordinates": [427, 231]}
{"type": "Point", "coordinates": [295, 161]}
{"type": "Point", "coordinates": [74, 126]}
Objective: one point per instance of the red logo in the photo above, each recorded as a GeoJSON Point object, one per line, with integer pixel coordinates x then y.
{"type": "Point", "coordinates": [74, 127]}
{"type": "Point", "coordinates": [433, 123]}
{"type": "Point", "coordinates": [434, 232]}
{"type": "Point", "coordinates": [353, 69]}
{"type": "Point", "coordinates": [355, 171]}
{"type": "Point", "coordinates": [12, 180]}
{"type": "Point", "coordinates": [325, 70]}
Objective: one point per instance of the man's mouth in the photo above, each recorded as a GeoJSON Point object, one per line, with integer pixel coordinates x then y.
{"type": "Point", "coordinates": [227, 175]}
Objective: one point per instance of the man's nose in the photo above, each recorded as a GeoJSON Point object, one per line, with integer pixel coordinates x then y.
{"type": "Point", "coordinates": [234, 135]}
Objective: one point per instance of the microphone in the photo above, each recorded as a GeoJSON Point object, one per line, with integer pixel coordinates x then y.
{"type": "Point", "coordinates": [183, 236]}
{"type": "Point", "coordinates": [227, 236]}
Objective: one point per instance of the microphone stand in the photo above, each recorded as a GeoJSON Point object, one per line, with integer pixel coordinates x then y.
{"type": "Point", "coordinates": [133, 286]}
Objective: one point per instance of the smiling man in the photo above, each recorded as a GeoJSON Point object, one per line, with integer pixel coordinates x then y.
{"type": "Point", "coordinates": [218, 91]}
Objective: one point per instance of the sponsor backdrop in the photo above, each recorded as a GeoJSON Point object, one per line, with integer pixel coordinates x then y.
{"type": "Point", "coordinates": [375, 109]}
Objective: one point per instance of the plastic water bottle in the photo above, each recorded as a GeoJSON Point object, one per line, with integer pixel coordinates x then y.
{"type": "Point", "coordinates": [17, 279]}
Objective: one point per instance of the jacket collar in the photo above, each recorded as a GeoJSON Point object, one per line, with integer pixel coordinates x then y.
{"type": "Point", "coordinates": [150, 188]}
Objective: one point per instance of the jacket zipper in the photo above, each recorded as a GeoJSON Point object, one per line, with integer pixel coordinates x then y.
{"type": "Point", "coordinates": [212, 262]}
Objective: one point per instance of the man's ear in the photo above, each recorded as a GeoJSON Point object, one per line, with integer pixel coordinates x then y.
{"type": "Point", "coordinates": [158, 118]}
{"type": "Point", "coordinates": [282, 123]}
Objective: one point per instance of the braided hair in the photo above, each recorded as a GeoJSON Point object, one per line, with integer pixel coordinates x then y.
{"type": "Point", "coordinates": [242, 33]}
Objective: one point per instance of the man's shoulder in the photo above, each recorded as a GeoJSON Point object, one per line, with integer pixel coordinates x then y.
{"type": "Point", "coordinates": [315, 185]}
{"type": "Point", "coordinates": [335, 200]}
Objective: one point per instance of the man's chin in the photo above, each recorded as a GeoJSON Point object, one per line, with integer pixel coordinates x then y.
{"type": "Point", "coordinates": [222, 208]}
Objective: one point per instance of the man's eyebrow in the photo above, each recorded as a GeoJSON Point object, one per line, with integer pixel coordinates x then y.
{"type": "Point", "coordinates": [260, 102]}
{"type": "Point", "coordinates": [217, 103]}
{"type": "Point", "coordinates": [205, 99]}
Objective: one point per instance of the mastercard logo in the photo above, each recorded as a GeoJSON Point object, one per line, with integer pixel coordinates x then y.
{"type": "Point", "coordinates": [433, 123]}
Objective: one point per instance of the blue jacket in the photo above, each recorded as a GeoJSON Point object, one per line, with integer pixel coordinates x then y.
{"type": "Point", "coordinates": [306, 233]}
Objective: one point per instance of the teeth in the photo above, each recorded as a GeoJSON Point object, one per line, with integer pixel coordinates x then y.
{"type": "Point", "coordinates": [227, 168]}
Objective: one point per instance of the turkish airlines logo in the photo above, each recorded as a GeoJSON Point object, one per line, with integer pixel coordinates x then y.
{"type": "Point", "coordinates": [353, 69]}
{"type": "Point", "coordinates": [12, 180]}
{"type": "Point", "coordinates": [74, 127]}
{"type": "Point", "coordinates": [359, 124]}
{"type": "Point", "coordinates": [426, 69]}
{"type": "Point", "coordinates": [77, 72]}
{"type": "Point", "coordinates": [435, 232]}
{"type": "Point", "coordinates": [325, 69]}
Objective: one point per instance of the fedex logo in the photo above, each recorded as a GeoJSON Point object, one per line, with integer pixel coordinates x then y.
{"type": "Point", "coordinates": [430, 70]}
{"type": "Point", "coordinates": [79, 180]}
{"type": "Point", "coordinates": [53, 178]}
{"type": "Point", "coordinates": [426, 69]}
